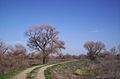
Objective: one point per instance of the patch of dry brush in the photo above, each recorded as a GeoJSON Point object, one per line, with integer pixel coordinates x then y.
{"type": "Point", "coordinates": [103, 69]}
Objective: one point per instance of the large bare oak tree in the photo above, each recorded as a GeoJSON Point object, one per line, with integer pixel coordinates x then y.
{"type": "Point", "coordinates": [44, 38]}
{"type": "Point", "coordinates": [94, 48]}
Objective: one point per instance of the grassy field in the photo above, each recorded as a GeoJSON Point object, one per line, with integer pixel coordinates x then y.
{"type": "Point", "coordinates": [85, 69]}
{"type": "Point", "coordinates": [10, 74]}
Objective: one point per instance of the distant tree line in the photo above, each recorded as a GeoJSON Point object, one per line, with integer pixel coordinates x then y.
{"type": "Point", "coordinates": [97, 49]}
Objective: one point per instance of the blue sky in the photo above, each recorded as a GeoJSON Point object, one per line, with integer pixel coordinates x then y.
{"type": "Point", "coordinates": [76, 20]}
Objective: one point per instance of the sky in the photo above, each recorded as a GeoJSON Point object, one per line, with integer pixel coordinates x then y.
{"type": "Point", "coordinates": [76, 20]}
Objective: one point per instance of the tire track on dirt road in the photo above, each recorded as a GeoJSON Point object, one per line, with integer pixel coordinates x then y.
{"type": "Point", "coordinates": [23, 74]}
{"type": "Point", "coordinates": [40, 74]}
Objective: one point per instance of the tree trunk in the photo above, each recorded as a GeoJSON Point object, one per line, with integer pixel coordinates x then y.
{"type": "Point", "coordinates": [44, 60]}
{"type": "Point", "coordinates": [91, 56]}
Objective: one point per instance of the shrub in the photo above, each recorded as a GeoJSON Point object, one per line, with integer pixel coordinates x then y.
{"type": "Point", "coordinates": [85, 72]}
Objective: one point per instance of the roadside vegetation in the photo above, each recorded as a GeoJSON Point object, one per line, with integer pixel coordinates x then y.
{"type": "Point", "coordinates": [10, 74]}
{"type": "Point", "coordinates": [85, 69]}
{"type": "Point", "coordinates": [48, 74]}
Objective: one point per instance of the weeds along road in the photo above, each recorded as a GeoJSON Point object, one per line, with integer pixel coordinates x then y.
{"type": "Point", "coordinates": [24, 73]}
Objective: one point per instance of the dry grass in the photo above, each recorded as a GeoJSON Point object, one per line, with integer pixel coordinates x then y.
{"type": "Point", "coordinates": [99, 69]}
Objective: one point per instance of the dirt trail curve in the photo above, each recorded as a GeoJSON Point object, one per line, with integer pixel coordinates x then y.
{"type": "Point", "coordinates": [40, 74]}
{"type": "Point", "coordinates": [24, 73]}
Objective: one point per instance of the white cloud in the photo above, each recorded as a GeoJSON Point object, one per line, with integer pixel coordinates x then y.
{"type": "Point", "coordinates": [95, 31]}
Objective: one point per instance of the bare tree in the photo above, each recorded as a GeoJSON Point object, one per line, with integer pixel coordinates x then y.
{"type": "Point", "coordinates": [67, 56]}
{"type": "Point", "coordinates": [44, 39]}
{"type": "Point", "coordinates": [12, 57]}
{"type": "Point", "coordinates": [19, 55]}
{"type": "Point", "coordinates": [34, 58]}
{"type": "Point", "coordinates": [19, 49]}
{"type": "Point", "coordinates": [113, 51]}
{"type": "Point", "coordinates": [119, 49]}
{"type": "Point", "coordinates": [118, 52]}
{"type": "Point", "coordinates": [94, 48]}
{"type": "Point", "coordinates": [3, 47]}
{"type": "Point", "coordinates": [60, 56]}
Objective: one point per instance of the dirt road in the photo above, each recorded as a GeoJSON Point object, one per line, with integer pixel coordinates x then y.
{"type": "Point", "coordinates": [40, 74]}
{"type": "Point", "coordinates": [24, 73]}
